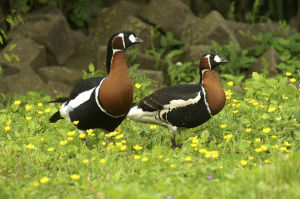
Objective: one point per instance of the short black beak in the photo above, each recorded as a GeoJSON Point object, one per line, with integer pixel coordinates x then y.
{"type": "Point", "coordinates": [224, 61]}
{"type": "Point", "coordinates": [138, 40]}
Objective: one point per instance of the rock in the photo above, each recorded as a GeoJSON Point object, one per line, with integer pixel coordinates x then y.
{"type": "Point", "coordinates": [59, 74]}
{"type": "Point", "coordinates": [145, 61]}
{"type": "Point", "coordinates": [170, 15]}
{"type": "Point", "coordinates": [156, 76]}
{"type": "Point", "coordinates": [101, 58]}
{"type": "Point", "coordinates": [271, 58]}
{"type": "Point", "coordinates": [28, 51]}
{"type": "Point", "coordinates": [212, 28]}
{"type": "Point", "coordinates": [57, 88]}
{"type": "Point", "coordinates": [239, 30]}
{"type": "Point", "coordinates": [48, 27]}
{"type": "Point", "coordinates": [196, 52]}
{"type": "Point", "coordinates": [295, 22]}
{"type": "Point", "coordinates": [20, 80]}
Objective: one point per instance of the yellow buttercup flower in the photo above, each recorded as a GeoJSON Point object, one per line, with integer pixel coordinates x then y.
{"type": "Point", "coordinates": [250, 158]}
{"type": "Point", "coordinates": [264, 148]}
{"type": "Point", "coordinates": [284, 97]}
{"type": "Point", "coordinates": [40, 104]}
{"type": "Point", "coordinates": [118, 129]}
{"type": "Point", "coordinates": [50, 149]}
{"type": "Point", "coordinates": [28, 118]}
{"type": "Point", "coordinates": [235, 111]}
{"type": "Point", "coordinates": [160, 156]}
{"type": "Point", "coordinates": [138, 85]}
{"type": "Point", "coordinates": [288, 74]}
{"type": "Point", "coordinates": [221, 167]}
{"type": "Point", "coordinates": [144, 159]}
{"type": "Point", "coordinates": [90, 131]}
{"type": "Point", "coordinates": [188, 159]}
{"type": "Point", "coordinates": [63, 142]}
{"type": "Point", "coordinates": [258, 150]}
{"type": "Point", "coordinates": [85, 161]}
{"type": "Point", "coordinates": [123, 148]}
{"type": "Point", "coordinates": [70, 138]}
{"type": "Point", "coordinates": [17, 102]}
{"type": "Point", "coordinates": [81, 136]}
{"type": "Point", "coordinates": [27, 107]}
{"type": "Point", "coordinates": [7, 128]}
{"type": "Point", "coordinates": [271, 109]}
{"type": "Point", "coordinates": [75, 122]}
{"type": "Point", "coordinates": [283, 148]}
{"type": "Point", "coordinates": [29, 146]}
{"type": "Point", "coordinates": [36, 184]}
{"type": "Point", "coordinates": [8, 122]}
{"type": "Point", "coordinates": [243, 162]}
{"type": "Point", "coordinates": [71, 133]}
{"type": "Point", "coordinates": [228, 137]}
{"type": "Point", "coordinates": [119, 136]}
{"type": "Point", "coordinates": [137, 147]}
{"type": "Point", "coordinates": [153, 127]}
{"type": "Point", "coordinates": [202, 151]}
{"type": "Point", "coordinates": [275, 146]}
{"type": "Point", "coordinates": [267, 161]}
{"type": "Point", "coordinates": [266, 130]}
{"type": "Point", "coordinates": [47, 110]}
{"type": "Point", "coordinates": [248, 130]}
{"type": "Point", "coordinates": [211, 154]}
{"type": "Point", "coordinates": [75, 177]}
{"type": "Point", "coordinates": [103, 143]}
{"type": "Point", "coordinates": [287, 144]}
{"type": "Point", "coordinates": [102, 160]}
{"type": "Point", "coordinates": [292, 80]}
{"type": "Point", "coordinates": [274, 136]}
{"type": "Point", "coordinates": [44, 180]}
{"type": "Point", "coordinates": [230, 83]}
{"type": "Point", "coordinates": [166, 160]}
{"type": "Point", "coordinates": [118, 144]}
{"type": "Point", "coordinates": [173, 166]}
{"type": "Point", "coordinates": [137, 157]}
{"type": "Point", "coordinates": [223, 126]}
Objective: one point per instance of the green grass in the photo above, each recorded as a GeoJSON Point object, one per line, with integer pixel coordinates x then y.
{"type": "Point", "coordinates": [180, 173]}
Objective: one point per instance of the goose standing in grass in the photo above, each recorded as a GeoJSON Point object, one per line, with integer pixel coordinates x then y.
{"type": "Point", "coordinates": [185, 105]}
{"type": "Point", "coordinates": [102, 102]}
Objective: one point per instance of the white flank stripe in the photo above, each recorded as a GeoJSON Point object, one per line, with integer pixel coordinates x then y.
{"type": "Point", "coordinates": [182, 103]}
{"type": "Point", "coordinates": [207, 106]}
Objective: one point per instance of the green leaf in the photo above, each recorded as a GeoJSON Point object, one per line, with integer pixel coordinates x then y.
{"type": "Point", "coordinates": [7, 57]}
{"type": "Point", "coordinates": [91, 67]}
{"type": "Point", "coordinates": [10, 20]}
{"type": "Point", "coordinates": [256, 76]}
{"type": "Point", "coordinates": [12, 46]}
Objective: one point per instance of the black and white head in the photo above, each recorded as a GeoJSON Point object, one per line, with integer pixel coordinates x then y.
{"type": "Point", "coordinates": [211, 61]}
{"type": "Point", "coordinates": [120, 41]}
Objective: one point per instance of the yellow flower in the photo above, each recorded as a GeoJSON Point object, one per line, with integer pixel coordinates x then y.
{"type": "Point", "coordinates": [266, 130]}
{"type": "Point", "coordinates": [89, 131]}
{"type": "Point", "coordinates": [27, 107]}
{"type": "Point", "coordinates": [103, 143]}
{"type": "Point", "coordinates": [292, 80]}
{"type": "Point", "coordinates": [264, 148]}
{"type": "Point", "coordinates": [63, 142]}
{"type": "Point", "coordinates": [246, 88]}
{"type": "Point", "coordinates": [118, 129]}
{"type": "Point", "coordinates": [285, 97]}
{"type": "Point", "coordinates": [40, 104]}
{"type": "Point", "coordinates": [221, 167]}
{"type": "Point", "coordinates": [235, 111]}
{"type": "Point", "coordinates": [70, 138]}
{"type": "Point", "coordinates": [71, 133]}
{"type": "Point", "coordinates": [235, 100]}
{"type": "Point", "coordinates": [75, 177]}
{"type": "Point", "coordinates": [250, 158]}
{"type": "Point", "coordinates": [267, 161]}
{"type": "Point", "coordinates": [228, 137]}
{"type": "Point", "coordinates": [194, 144]}
{"type": "Point", "coordinates": [255, 103]}
{"type": "Point", "coordinates": [248, 130]}
{"type": "Point", "coordinates": [138, 85]}
{"type": "Point", "coordinates": [144, 159]}
{"type": "Point", "coordinates": [118, 144]}
{"type": "Point", "coordinates": [271, 109]}
{"type": "Point", "coordinates": [102, 160]}
{"type": "Point", "coordinates": [173, 166]}
{"type": "Point", "coordinates": [278, 118]}
{"type": "Point", "coordinates": [288, 74]}
{"type": "Point", "coordinates": [8, 122]}
{"type": "Point", "coordinates": [47, 110]}
{"type": "Point", "coordinates": [17, 102]}
{"type": "Point", "coordinates": [123, 141]}
{"type": "Point", "coordinates": [211, 154]}
{"type": "Point", "coordinates": [123, 148]}
{"type": "Point", "coordinates": [195, 141]}
{"type": "Point", "coordinates": [85, 161]}
{"type": "Point", "coordinates": [111, 145]}
{"type": "Point", "coordinates": [223, 126]}
{"type": "Point", "coordinates": [50, 149]}
{"type": "Point", "coordinates": [75, 122]}
{"type": "Point", "coordinates": [188, 159]}
{"type": "Point", "coordinates": [280, 106]}
{"type": "Point", "coordinates": [160, 156]}
{"type": "Point", "coordinates": [137, 157]}
{"type": "Point", "coordinates": [274, 136]}
{"type": "Point", "coordinates": [29, 146]}
{"type": "Point", "coordinates": [262, 106]}
{"type": "Point", "coordinates": [44, 180]}
{"type": "Point", "coordinates": [257, 140]}
{"type": "Point", "coordinates": [258, 150]}
{"type": "Point", "coordinates": [243, 162]}
{"type": "Point", "coordinates": [287, 144]}
{"type": "Point", "coordinates": [28, 118]}
{"type": "Point", "coordinates": [119, 136]}
{"type": "Point", "coordinates": [275, 146]}
{"type": "Point", "coordinates": [166, 160]}
{"type": "Point", "coordinates": [81, 136]}
{"type": "Point", "coordinates": [36, 184]}
{"type": "Point", "coordinates": [230, 83]}
{"type": "Point", "coordinates": [202, 151]}
{"type": "Point", "coordinates": [7, 128]}
{"type": "Point", "coordinates": [137, 147]}
{"type": "Point", "coordinates": [153, 127]}
{"type": "Point", "coordinates": [283, 148]}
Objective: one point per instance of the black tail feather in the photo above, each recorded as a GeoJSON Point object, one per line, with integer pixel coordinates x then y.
{"type": "Point", "coordinates": [56, 116]}
{"type": "Point", "coordinates": [61, 99]}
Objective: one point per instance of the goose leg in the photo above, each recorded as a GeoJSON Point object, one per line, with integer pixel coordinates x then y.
{"type": "Point", "coordinates": [174, 131]}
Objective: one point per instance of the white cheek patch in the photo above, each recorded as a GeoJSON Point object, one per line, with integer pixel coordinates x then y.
{"type": "Point", "coordinates": [217, 59]}
{"type": "Point", "coordinates": [208, 56]}
{"type": "Point", "coordinates": [132, 38]}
